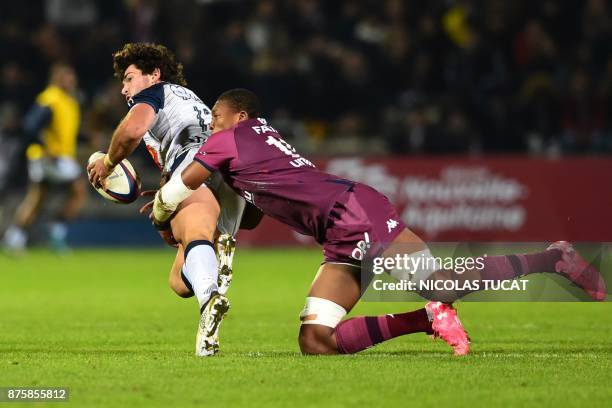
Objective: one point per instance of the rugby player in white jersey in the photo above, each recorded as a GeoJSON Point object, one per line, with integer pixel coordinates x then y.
{"type": "Point", "coordinates": [174, 122]}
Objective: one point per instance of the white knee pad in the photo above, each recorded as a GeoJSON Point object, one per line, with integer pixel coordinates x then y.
{"type": "Point", "coordinates": [322, 311]}
{"type": "Point", "coordinates": [422, 265]}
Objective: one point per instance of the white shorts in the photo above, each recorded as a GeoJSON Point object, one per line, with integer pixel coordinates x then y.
{"type": "Point", "coordinates": [232, 205]}
{"type": "Point", "coordinates": [62, 169]}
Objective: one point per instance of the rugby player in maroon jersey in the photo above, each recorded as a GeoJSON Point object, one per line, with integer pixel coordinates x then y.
{"type": "Point", "coordinates": [347, 218]}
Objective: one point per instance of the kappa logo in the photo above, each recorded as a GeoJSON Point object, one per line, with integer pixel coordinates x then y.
{"type": "Point", "coordinates": [391, 224]}
{"type": "Point", "coordinates": [362, 247]}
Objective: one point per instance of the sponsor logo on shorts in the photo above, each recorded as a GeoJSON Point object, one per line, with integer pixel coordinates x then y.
{"type": "Point", "coordinates": [362, 247]}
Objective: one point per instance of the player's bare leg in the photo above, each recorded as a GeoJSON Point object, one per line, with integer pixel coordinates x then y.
{"type": "Point", "coordinates": [335, 291]}
{"type": "Point", "coordinates": [30, 207]}
{"type": "Point", "coordinates": [335, 283]}
{"type": "Point", "coordinates": [73, 204]}
{"type": "Point", "coordinates": [76, 199]}
{"type": "Point", "coordinates": [15, 238]}
{"type": "Point", "coordinates": [175, 280]}
{"type": "Point", "coordinates": [226, 247]}
{"type": "Point", "coordinates": [194, 227]}
{"type": "Point", "coordinates": [196, 217]}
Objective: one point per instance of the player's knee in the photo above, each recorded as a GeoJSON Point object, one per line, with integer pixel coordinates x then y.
{"type": "Point", "coordinates": [182, 291]}
{"type": "Point", "coordinates": [192, 234]}
{"type": "Point", "coordinates": [309, 343]}
{"type": "Point", "coordinates": [319, 320]}
{"type": "Point", "coordinates": [316, 339]}
{"type": "Point", "coordinates": [179, 287]}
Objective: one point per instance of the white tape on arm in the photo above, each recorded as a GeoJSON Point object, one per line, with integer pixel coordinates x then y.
{"type": "Point", "coordinates": [169, 197]}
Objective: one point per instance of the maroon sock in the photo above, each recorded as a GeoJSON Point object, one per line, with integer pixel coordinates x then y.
{"type": "Point", "coordinates": [513, 266]}
{"type": "Point", "coordinates": [360, 333]}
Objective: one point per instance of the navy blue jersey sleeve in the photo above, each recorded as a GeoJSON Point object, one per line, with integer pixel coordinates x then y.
{"type": "Point", "coordinates": [153, 96]}
{"type": "Point", "coordinates": [35, 120]}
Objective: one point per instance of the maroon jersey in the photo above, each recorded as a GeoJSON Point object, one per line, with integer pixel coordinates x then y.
{"type": "Point", "coordinates": [255, 161]}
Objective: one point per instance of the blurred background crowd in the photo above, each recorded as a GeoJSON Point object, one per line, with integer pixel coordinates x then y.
{"type": "Point", "coordinates": [336, 77]}
{"type": "Point", "coordinates": [369, 76]}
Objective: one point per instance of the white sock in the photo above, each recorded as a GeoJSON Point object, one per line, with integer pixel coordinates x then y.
{"type": "Point", "coordinates": [59, 231]}
{"type": "Point", "coordinates": [201, 270]}
{"type": "Point", "coordinates": [15, 238]}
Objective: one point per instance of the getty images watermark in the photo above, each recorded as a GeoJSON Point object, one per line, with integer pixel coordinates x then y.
{"type": "Point", "coordinates": [405, 266]}
{"type": "Point", "coordinates": [483, 272]}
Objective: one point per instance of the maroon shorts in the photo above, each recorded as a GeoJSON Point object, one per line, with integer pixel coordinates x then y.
{"type": "Point", "coordinates": [361, 220]}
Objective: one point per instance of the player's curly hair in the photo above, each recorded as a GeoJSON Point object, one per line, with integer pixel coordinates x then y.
{"type": "Point", "coordinates": [147, 57]}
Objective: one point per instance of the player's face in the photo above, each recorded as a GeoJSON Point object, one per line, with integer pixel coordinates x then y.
{"type": "Point", "coordinates": [68, 80]}
{"type": "Point", "coordinates": [134, 81]}
{"type": "Point", "coordinates": [225, 117]}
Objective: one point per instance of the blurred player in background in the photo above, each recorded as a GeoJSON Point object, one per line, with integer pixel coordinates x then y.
{"type": "Point", "coordinates": [347, 218]}
{"type": "Point", "coordinates": [53, 125]}
{"type": "Point", "coordinates": [174, 123]}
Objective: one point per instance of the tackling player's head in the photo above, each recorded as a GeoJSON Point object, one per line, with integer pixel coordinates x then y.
{"type": "Point", "coordinates": [234, 106]}
{"type": "Point", "coordinates": [141, 65]}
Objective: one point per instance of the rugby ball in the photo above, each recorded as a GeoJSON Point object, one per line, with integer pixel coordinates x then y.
{"type": "Point", "coordinates": [122, 185]}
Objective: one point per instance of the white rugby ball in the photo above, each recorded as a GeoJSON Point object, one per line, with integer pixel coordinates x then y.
{"type": "Point", "coordinates": [122, 185]}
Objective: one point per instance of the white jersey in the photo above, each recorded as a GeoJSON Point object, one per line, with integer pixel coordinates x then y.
{"type": "Point", "coordinates": [181, 122]}
{"type": "Point", "coordinates": [180, 127]}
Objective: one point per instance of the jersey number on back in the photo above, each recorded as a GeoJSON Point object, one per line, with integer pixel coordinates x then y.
{"type": "Point", "coordinates": [298, 161]}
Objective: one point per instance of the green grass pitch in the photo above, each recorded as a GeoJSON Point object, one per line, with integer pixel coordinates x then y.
{"type": "Point", "coordinates": [105, 324]}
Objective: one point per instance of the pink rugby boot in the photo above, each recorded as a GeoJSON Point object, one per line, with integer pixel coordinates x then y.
{"type": "Point", "coordinates": [447, 326]}
{"type": "Point", "coordinates": [577, 270]}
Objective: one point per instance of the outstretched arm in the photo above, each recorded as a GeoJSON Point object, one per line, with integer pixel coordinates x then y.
{"type": "Point", "coordinates": [126, 138]}
{"type": "Point", "coordinates": [130, 132]}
